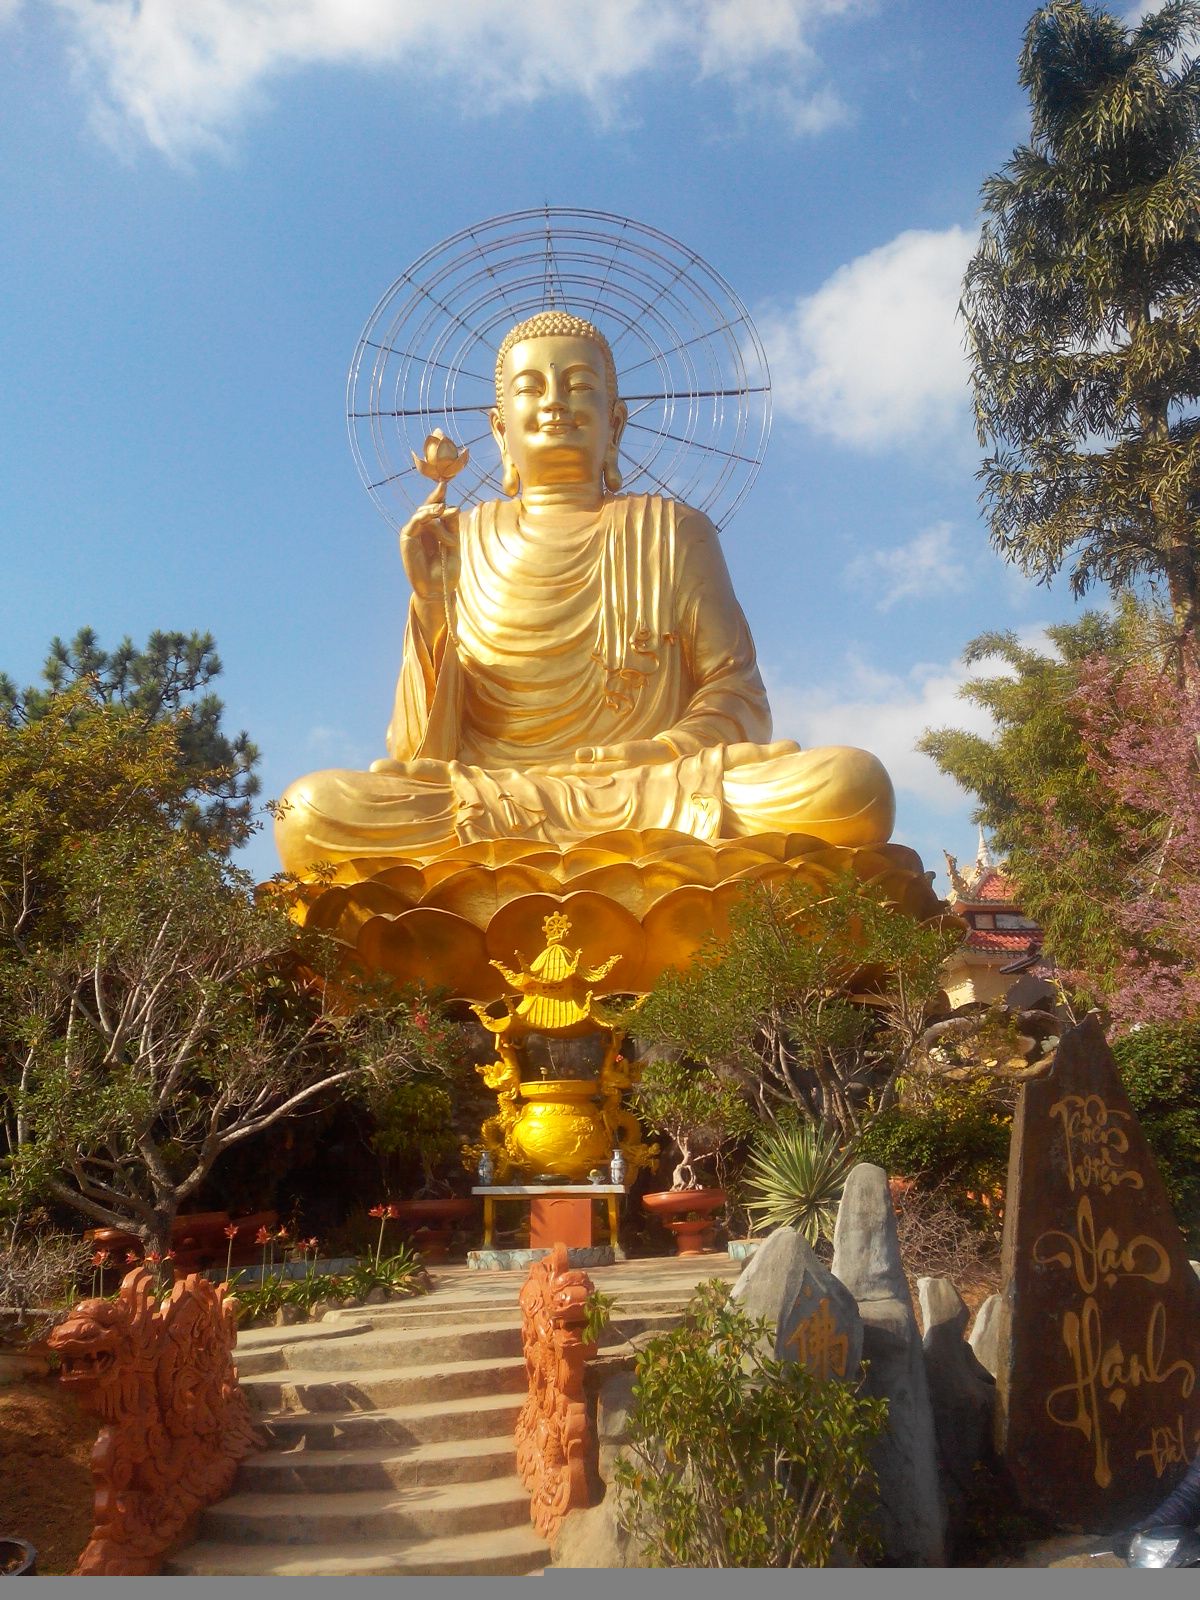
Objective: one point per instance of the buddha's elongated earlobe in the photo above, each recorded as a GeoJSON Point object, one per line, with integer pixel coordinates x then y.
{"type": "Point", "coordinates": [510, 478]}
{"type": "Point", "coordinates": [612, 472]}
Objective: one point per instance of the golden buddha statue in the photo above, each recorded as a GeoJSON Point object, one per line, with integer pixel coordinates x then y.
{"type": "Point", "coordinates": [575, 661]}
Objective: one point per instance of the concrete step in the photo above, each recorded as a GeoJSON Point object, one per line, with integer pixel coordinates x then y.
{"type": "Point", "coordinates": [419, 1512]}
{"type": "Point", "coordinates": [500, 1307]}
{"type": "Point", "coordinates": [424, 1423]}
{"type": "Point", "coordinates": [405, 1348]}
{"type": "Point", "coordinates": [301, 1470]}
{"type": "Point", "coordinates": [262, 1349]}
{"type": "Point", "coordinates": [347, 1324]}
{"type": "Point", "coordinates": [371, 1389]}
{"type": "Point", "coordinates": [515, 1550]}
{"type": "Point", "coordinates": [408, 1347]}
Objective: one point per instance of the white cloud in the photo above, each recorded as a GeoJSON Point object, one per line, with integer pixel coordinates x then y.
{"type": "Point", "coordinates": [885, 713]}
{"type": "Point", "coordinates": [929, 564]}
{"type": "Point", "coordinates": [181, 73]}
{"type": "Point", "coordinates": [874, 358]}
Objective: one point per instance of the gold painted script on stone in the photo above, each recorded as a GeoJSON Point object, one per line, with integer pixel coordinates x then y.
{"type": "Point", "coordinates": [1103, 1372]}
{"type": "Point", "coordinates": [819, 1346]}
{"type": "Point", "coordinates": [1096, 1143]}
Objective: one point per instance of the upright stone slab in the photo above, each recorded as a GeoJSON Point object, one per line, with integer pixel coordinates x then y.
{"type": "Point", "coordinates": [815, 1318]}
{"type": "Point", "coordinates": [985, 1335]}
{"type": "Point", "coordinates": [866, 1258]}
{"type": "Point", "coordinates": [961, 1392]}
{"type": "Point", "coordinates": [1098, 1411]}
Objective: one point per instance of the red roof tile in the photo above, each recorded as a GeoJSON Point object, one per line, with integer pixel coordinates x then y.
{"type": "Point", "coordinates": [987, 939]}
{"type": "Point", "coordinates": [994, 887]}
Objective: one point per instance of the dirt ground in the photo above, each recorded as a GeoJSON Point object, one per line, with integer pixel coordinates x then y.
{"type": "Point", "coordinates": [46, 1484]}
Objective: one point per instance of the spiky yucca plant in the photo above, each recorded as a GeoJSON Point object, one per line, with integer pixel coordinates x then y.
{"type": "Point", "coordinates": [797, 1175]}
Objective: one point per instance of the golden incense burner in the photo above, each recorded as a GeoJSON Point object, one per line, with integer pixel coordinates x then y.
{"type": "Point", "coordinates": [561, 1127]}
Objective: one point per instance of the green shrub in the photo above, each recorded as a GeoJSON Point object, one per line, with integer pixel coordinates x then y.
{"type": "Point", "coordinates": [1160, 1066]}
{"type": "Point", "coordinates": [400, 1273]}
{"type": "Point", "coordinates": [738, 1460]}
{"type": "Point", "coordinates": [955, 1140]}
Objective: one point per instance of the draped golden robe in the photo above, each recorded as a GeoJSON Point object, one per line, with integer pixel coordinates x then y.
{"type": "Point", "coordinates": [627, 630]}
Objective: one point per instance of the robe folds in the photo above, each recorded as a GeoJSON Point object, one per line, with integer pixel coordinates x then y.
{"type": "Point", "coordinates": [625, 630]}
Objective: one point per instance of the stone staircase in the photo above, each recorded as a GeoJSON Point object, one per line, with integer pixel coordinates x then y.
{"type": "Point", "coordinates": [390, 1433]}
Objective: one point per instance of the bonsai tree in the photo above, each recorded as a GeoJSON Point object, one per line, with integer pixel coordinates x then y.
{"type": "Point", "coordinates": [414, 1125]}
{"type": "Point", "coordinates": [698, 1110]}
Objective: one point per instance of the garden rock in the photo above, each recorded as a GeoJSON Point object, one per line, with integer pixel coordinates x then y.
{"type": "Point", "coordinates": [592, 1537]}
{"type": "Point", "coordinates": [961, 1393]}
{"type": "Point", "coordinates": [815, 1318]}
{"type": "Point", "coordinates": [866, 1258]}
{"type": "Point", "coordinates": [376, 1296]}
{"type": "Point", "coordinates": [614, 1402]}
{"type": "Point", "coordinates": [288, 1316]}
{"type": "Point", "coordinates": [985, 1335]}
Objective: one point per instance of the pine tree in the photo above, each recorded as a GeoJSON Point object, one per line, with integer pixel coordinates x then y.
{"type": "Point", "coordinates": [1082, 309]}
{"type": "Point", "coordinates": [136, 690]}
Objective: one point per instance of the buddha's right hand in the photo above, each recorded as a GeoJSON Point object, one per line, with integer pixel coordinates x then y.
{"type": "Point", "coordinates": [429, 548]}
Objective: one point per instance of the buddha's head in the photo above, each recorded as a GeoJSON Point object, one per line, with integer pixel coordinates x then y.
{"type": "Point", "coordinates": [558, 418]}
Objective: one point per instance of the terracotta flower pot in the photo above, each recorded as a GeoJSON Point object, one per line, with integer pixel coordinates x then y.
{"type": "Point", "coordinates": [432, 1212]}
{"type": "Point", "coordinates": [17, 1558]}
{"type": "Point", "coordinates": [685, 1213]}
{"type": "Point", "coordinates": [429, 1223]}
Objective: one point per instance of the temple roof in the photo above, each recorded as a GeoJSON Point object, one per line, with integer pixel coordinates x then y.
{"type": "Point", "coordinates": [984, 897]}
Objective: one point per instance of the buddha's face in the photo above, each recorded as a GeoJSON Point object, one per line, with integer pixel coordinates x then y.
{"type": "Point", "coordinates": [559, 420]}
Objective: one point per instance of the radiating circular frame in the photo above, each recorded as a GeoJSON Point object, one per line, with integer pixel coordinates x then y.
{"type": "Point", "coordinates": [689, 360]}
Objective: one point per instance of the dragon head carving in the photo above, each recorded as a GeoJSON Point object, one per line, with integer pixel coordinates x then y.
{"type": "Point", "coordinates": [106, 1346]}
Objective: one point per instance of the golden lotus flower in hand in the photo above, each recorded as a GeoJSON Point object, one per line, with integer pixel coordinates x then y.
{"type": "Point", "coordinates": [443, 459]}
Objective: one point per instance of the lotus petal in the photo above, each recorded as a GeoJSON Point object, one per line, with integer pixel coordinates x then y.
{"type": "Point", "coordinates": [343, 911]}
{"type": "Point", "coordinates": [405, 879]}
{"type": "Point", "coordinates": [678, 925]}
{"type": "Point", "coordinates": [587, 859]}
{"type": "Point", "coordinates": [431, 947]}
{"type": "Point", "coordinates": [476, 893]}
{"type": "Point", "coordinates": [360, 869]}
{"type": "Point", "coordinates": [490, 852]}
{"type": "Point", "coordinates": [622, 882]}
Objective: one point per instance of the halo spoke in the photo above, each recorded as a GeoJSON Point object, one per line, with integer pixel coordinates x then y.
{"type": "Point", "coordinates": [699, 417]}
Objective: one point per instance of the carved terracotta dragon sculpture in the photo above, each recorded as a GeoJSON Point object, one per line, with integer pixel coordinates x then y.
{"type": "Point", "coordinates": [554, 1434]}
{"type": "Point", "coordinates": [175, 1420]}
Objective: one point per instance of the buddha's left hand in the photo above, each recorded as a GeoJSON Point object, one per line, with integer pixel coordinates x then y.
{"type": "Point", "coordinates": [635, 753]}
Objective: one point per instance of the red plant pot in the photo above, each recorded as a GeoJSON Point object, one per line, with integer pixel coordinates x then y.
{"type": "Point", "coordinates": [433, 1213]}
{"type": "Point", "coordinates": [429, 1224]}
{"type": "Point", "coordinates": [686, 1214]}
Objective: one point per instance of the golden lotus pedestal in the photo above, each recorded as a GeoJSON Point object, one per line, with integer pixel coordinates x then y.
{"type": "Point", "coordinates": [651, 896]}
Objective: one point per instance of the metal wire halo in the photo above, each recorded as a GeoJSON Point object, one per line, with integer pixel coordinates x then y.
{"type": "Point", "coordinates": [690, 363]}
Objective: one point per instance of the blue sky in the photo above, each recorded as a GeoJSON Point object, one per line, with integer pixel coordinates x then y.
{"type": "Point", "coordinates": [202, 200]}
